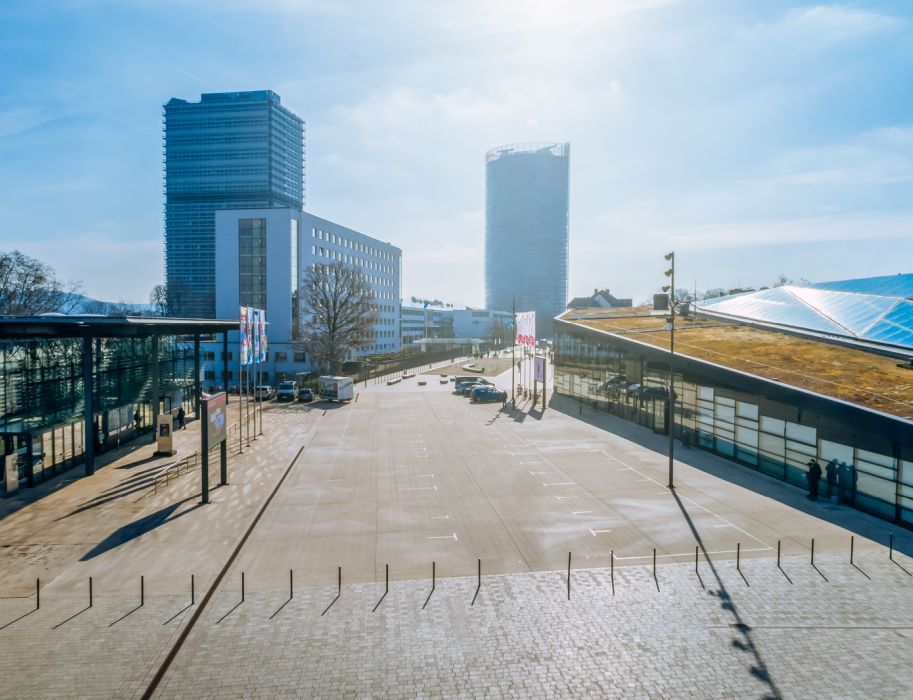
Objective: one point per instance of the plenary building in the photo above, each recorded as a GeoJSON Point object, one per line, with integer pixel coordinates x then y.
{"type": "Point", "coordinates": [261, 258]}
{"type": "Point", "coordinates": [768, 380]}
{"type": "Point", "coordinates": [526, 229]}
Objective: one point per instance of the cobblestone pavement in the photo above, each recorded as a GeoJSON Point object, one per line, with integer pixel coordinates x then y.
{"type": "Point", "coordinates": [839, 631]}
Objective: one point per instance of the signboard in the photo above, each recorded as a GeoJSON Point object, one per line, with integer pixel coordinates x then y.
{"type": "Point", "coordinates": [163, 429]}
{"type": "Point", "coordinates": [11, 474]}
{"type": "Point", "coordinates": [215, 408]}
{"type": "Point", "coordinates": [526, 328]}
{"type": "Point", "coordinates": [539, 369]}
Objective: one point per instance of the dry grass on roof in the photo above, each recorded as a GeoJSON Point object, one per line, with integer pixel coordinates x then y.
{"type": "Point", "coordinates": [846, 373]}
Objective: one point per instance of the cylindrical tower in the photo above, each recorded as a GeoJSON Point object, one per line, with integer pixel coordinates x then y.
{"type": "Point", "coordinates": [526, 229]}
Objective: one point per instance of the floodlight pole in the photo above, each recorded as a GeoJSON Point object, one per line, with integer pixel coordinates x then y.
{"type": "Point", "coordinates": [670, 409]}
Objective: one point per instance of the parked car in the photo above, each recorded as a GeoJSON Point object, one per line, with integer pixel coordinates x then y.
{"type": "Point", "coordinates": [287, 391]}
{"type": "Point", "coordinates": [264, 392]}
{"type": "Point", "coordinates": [305, 395]}
{"type": "Point", "coordinates": [463, 387]}
{"type": "Point", "coordinates": [633, 390]}
{"type": "Point", "coordinates": [487, 392]}
{"type": "Point", "coordinates": [655, 393]}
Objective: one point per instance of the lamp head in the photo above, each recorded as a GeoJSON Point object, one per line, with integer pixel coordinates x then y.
{"type": "Point", "coordinates": [668, 273]}
{"type": "Point", "coordinates": [666, 288]}
{"type": "Point", "coordinates": [670, 256]}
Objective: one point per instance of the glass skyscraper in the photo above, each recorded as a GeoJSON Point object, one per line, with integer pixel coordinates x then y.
{"type": "Point", "coordinates": [526, 229]}
{"type": "Point", "coordinates": [230, 150]}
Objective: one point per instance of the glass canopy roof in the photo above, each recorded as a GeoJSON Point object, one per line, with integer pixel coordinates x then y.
{"type": "Point", "coordinates": [875, 309]}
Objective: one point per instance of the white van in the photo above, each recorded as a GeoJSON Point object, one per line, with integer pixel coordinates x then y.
{"type": "Point", "coordinates": [335, 388]}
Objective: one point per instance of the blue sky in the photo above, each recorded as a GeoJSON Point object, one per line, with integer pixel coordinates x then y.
{"type": "Point", "coordinates": [754, 138]}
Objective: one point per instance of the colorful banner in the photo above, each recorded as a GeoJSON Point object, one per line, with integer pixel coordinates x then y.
{"type": "Point", "coordinates": [255, 335]}
{"type": "Point", "coordinates": [526, 328]}
{"type": "Point", "coordinates": [262, 335]}
{"type": "Point", "coordinates": [245, 336]}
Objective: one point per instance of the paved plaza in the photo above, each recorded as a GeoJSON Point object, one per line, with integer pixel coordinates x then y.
{"type": "Point", "coordinates": [408, 475]}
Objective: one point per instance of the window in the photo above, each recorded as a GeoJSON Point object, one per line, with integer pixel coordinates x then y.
{"type": "Point", "coordinates": [252, 262]}
{"type": "Point", "coordinates": [226, 358]}
{"type": "Point", "coordinates": [300, 357]}
{"type": "Point", "coordinates": [209, 356]}
{"type": "Point", "coordinates": [281, 356]}
{"type": "Point", "coordinates": [209, 375]}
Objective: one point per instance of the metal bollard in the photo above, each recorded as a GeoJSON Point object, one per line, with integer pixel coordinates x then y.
{"type": "Point", "coordinates": [851, 548]}
{"type": "Point", "coordinates": [813, 551]}
{"type": "Point", "coordinates": [386, 579]}
{"type": "Point", "coordinates": [242, 586]}
{"type": "Point", "coordinates": [291, 585]}
{"type": "Point", "coordinates": [192, 597]}
{"type": "Point", "coordinates": [142, 592]}
{"type": "Point", "coordinates": [90, 591]}
{"type": "Point", "coordinates": [339, 586]}
{"type": "Point", "coordinates": [891, 548]}
{"type": "Point", "coordinates": [568, 575]}
{"type": "Point", "coordinates": [778, 554]}
{"type": "Point", "coordinates": [738, 556]}
{"type": "Point", "coordinates": [695, 560]}
{"type": "Point", "coordinates": [37, 593]}
{"type": "Point", "coordinates": [612, 569]}
{"type": "Point", "coordinates": [654, 562]}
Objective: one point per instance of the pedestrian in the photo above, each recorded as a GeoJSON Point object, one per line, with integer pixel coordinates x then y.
{"type": "Point", "coordinates": [844, 479]}
{"type": "Point", "coordinates": [813, 476]}
{"type": "Point", "coordinates": [137, 419]}
{"type": "Point", "coordinates": [181, 415]}
{"type": "Point", "coordinates": [831, 471]}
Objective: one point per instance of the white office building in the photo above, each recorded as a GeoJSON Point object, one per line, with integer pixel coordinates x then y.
{"type": "Point", "coordinates": [436, 319]}
{"type": "Point", "coordinates": [262, 256]}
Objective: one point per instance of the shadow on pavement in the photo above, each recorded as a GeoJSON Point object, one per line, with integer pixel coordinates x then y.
{"type": "Point", "coordinates": [743, 640]}
{"type": "Point", "coordinates": [140, 527]}
{"type": "Point", "coordinates": [853, 520]}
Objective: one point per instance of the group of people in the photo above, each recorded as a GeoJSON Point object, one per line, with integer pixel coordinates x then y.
{"type": "Point", "coordinates": [841, 479]}
{"type": "Point", "coordinates": [181, 417]}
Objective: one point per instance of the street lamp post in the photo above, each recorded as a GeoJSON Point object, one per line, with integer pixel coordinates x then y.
{"type": "Point", "coordinates": [670, 409]}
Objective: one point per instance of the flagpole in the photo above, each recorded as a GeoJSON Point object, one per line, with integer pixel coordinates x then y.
{"type": "Point", "coordinates": [513, 348]}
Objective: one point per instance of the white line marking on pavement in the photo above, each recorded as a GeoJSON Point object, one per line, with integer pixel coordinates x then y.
{"type": "Point", "coordinates": [559, 483]}
{"type": "Point", "coordinates": [532, 473]}
{"type": "Point", "coordinates": [561, 498]}
{"type": "Point", "coordinates": [419, 488]}
{"type": "Point", "coordinates": [726, 525]}
{"type": "Point", "coordinates": [597, 532]}
{"type": "Point", "coordinates": [440, 517]}
{"type": "Point", "coordinates": [533, 462]}
{"type": "Point", "coordinates": [580, 512]}
{"type": "Point", "coordinates": [747, 534]}
{"type": "Point", "coordinates": [425, 476]}
{"type": "Point", "coordinates": [445, 537]}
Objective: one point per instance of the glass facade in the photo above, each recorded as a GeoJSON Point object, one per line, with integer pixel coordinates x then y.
{"type": "Point", "coordinates": [236, 150]}
{"type": "Point", "coordinates": [295, 277]}
{"type": "Point", "coordinates": [526, 229]}
{"type": "Point", "coordinates": [42, 397]}
{"type": "Point", "coordinates": [252, 262]}
{"type": "Point", "coordinates": [876, 309]}
{"type": "Point", "coordinates": [870, 470]}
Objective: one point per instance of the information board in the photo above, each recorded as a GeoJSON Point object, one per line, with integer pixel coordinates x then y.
{"type": "Point", "coordinates": [216, 419]}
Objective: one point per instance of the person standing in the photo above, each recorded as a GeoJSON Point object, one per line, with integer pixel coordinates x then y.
{"type": "Point", "coordinates": [831, 471]}
{"type": "Point", "coordinates": [137, 419]}
{"type": "Point", "coordinates": [181, 415]}
{"type": "Point", "coordinates": [814, 477]}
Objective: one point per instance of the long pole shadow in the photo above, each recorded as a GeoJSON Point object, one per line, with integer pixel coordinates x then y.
{"type": "Point", "coordinates": [12, 622]}
{"type": "Point", "coordinates": [279, 609]}
{"type": "Point", "coordinates": [125, 615]}
{"type": "Point", "coordinates": [236, 606]}
{"type": "Point", "coordinates": [759, 670]}
{"type": "Point", "coordinates": [71, 617]}
{"type": "Point", "coordinates": [182, 610]}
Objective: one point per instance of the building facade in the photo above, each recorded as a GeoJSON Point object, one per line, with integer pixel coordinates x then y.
{"type": "Point", "coordinates": [228, 151]}
{"type": "Point", "coordinates": [725, 405]}
{"type": "Point", "coordinates": [526, 229]}
{"type": "Point", "coordinates": [262, 256]}
{"type": "Point", "coordinates": [444, 322]}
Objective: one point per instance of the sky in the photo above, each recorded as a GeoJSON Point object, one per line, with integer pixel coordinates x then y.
{"type": "Point", "coordinates": [752, 138]}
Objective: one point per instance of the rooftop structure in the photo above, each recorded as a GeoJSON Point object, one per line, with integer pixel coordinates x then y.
{"type": "Point", "coordinates": [599, 299]}
{"type": "Point", "coordinates": [875, 311]}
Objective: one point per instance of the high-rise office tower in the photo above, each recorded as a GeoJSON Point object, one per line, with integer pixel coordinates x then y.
{"type": "Point", "coordinates": [526, 229]}
{"type": "Point", "coordinates": [230, 150]}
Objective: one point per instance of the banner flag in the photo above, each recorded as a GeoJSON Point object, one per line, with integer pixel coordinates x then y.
{"type": "Point", "coordinates": [526, 328]}
{"type": "Point", "coordinates": [245, 336]}
{"type": "Point", "coordinates": [262, 335]}
{"type": "Point", "coordinates": [255, 335]}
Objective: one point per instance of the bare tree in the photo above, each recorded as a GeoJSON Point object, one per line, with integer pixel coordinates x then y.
{"type": "Point", "coordinates": [339, 313]}
{"type": "Point", "coordinates": [29, 287]}
{"type": "Point", "coordinates": [158, 297]}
